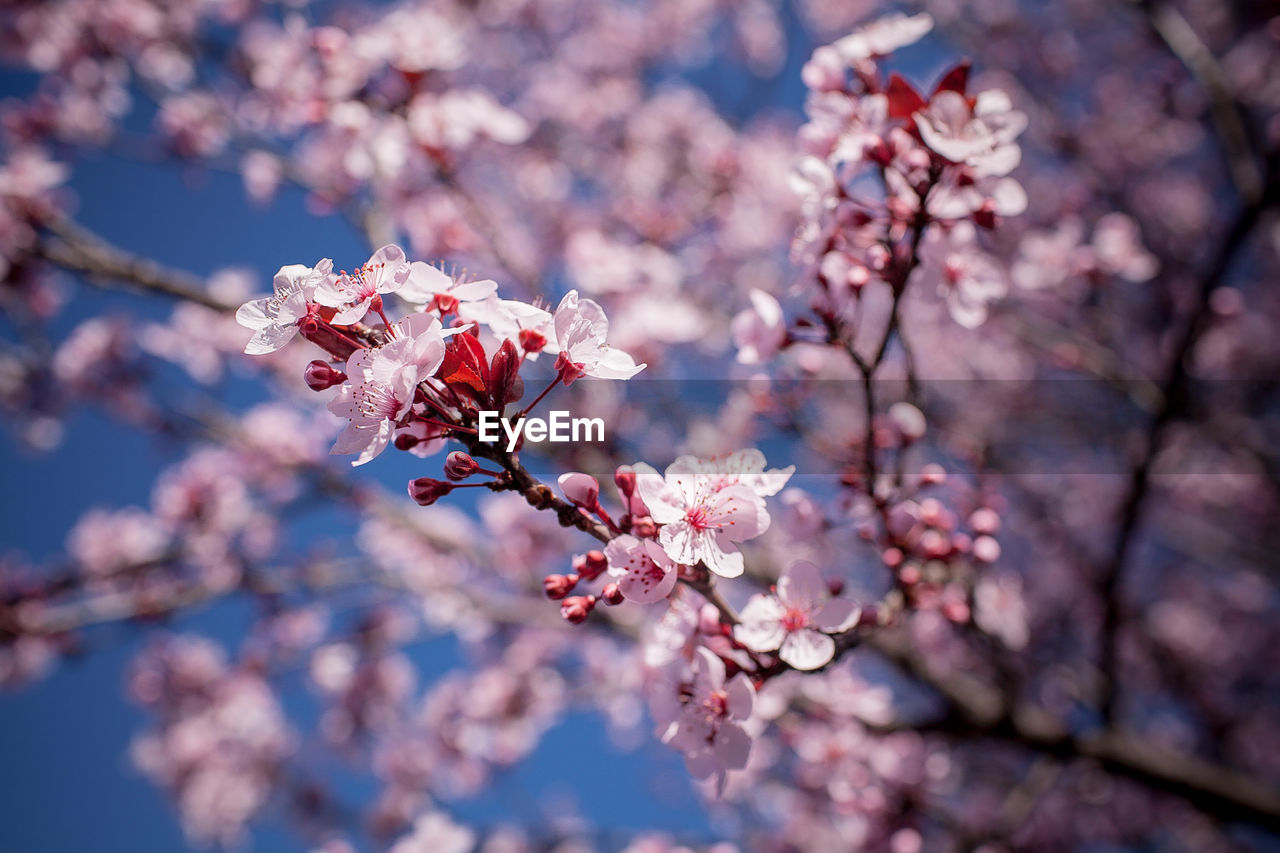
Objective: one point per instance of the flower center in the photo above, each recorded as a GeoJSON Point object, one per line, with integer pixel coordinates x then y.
{"type": "Point", "coordinates": [794, 619]}
{"type": "Point", "coordinates": [698, 518]}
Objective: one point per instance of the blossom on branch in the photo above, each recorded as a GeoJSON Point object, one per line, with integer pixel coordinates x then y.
{"type": "Point", "coordinates": [795, 620]}
{"type": "Point", "coordinates": [274, 319]}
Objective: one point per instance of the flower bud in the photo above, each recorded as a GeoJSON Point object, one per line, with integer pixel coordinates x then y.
{"type": "Point", "coordinates": [459, 466]}
{"type": "Point", "coordinates": [594, 564]}
{"type": "Point", "coordinates": [625, 479]}
{"type": "Point", "coordinates": [532, 342]}
{"type": "Point", "coordinates": [319, 375]}
{"type": "Point", "coordinates": [644, 527]}
{"type": "Point", "coordinates": [557, 587]}
{"type": "Point", "coordinates": [575, 610]}
{"type": "Point", "coordinates": [581, 489]}
{"type": "Point", "coordinates": [612, 594]}
{"type": "Point", "coordinates": [427, 491]}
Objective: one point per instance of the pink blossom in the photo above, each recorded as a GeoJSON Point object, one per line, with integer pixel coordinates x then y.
{"type": "Point", "coordinates": [883, 36]}
{"type": "Point", "coordinates": [432, 287]}
{"type": "Point", "coordinates": [580, 489]}
{"type": "Point", "coordinates": [703, 716]}
{"type": "Point", "coordinates": [353, 294]}
{"type": "Point", "coordinates": [434, 832]}
{"type": "Point", "coordinates": [581, 328]}
{"type": "Point", "coordinates": [966, 276]}
{"type": "Point", "coordinates": [701, 519]}
{"type": "Point", "coordinates": [274, 319]}
{"type": "Point", "coordinates": [793, 619]}
{"type": "Point", "coordinates": [645, 573]}
{"type": "Point", "coordinates": [382, 383]}
{"type": "Point", "coordinates": [980, 136]}
{"type": "Point", "coordinates": [759, 331]}
{"type": "Point", "coordinates": [1117, 246]}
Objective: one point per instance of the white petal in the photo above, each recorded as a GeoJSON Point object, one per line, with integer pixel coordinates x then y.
{"type": "Point", "coordinates": [807, 650]}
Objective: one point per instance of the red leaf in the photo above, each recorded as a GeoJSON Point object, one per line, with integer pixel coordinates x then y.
{"type": "Point", "coordinates": [465, 368]}
{"type": "Point", "coordinates": [954, 80]}
{"type": "Point", "coordinates": [903, 100]}
{"type": "Point", "coordinates": [504, 372]}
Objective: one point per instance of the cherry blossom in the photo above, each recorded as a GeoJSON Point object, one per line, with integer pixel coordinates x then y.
{"type": "Point", "coordinates": [274, 319]}
{"type": "Point", "coordinates": [883, 36]}
{"type": "Point", "coordinates": [581, 328]}
{"type": "Point", "coordinates": [432, 287]}
{"type": "Point", "coordinates": [703, 716]}
{"type": "Point", "coordinates": [701, 515]}
{"type": "Point", "coordinates": [760, 331]}
{"type": "Point", "coordinates": [353, 294]}
{"type": "Point", "coordinates": [967, 277]}
{"type": "Point", "coordinates": [796, 620]}
{"type": "Point", "coordinates": [644, 571]}
{"type": "Point", "coordinates": [383, 383]}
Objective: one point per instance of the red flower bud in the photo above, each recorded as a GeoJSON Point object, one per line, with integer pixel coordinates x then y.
{"type": "Point", "coordinates": [594, 564]}
{"type": "Point", "coordinates": [459, 466]}
{"type": "Point", "coordinates": [427, 491]}
{"type": "Point", "coordinates": [575, 610]}
{"type": "Point", "coordinates": [532, 342]}
{"type": "Point", "coordinates": [319, 375]}
{"type": "Point", "coordinates": [625, 479]}
{"type": "Point", "coordinates": [557, 587]}
{"type": "Point", "coordinates": [612, 594]}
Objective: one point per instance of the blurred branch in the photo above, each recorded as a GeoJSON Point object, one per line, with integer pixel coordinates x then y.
{"type": "Point", "coordinates": [77, 249]}
{"type": "Point", "coordinates": [1174, 391]}
{"type": "Point", "coordinates": [978, 709]}
{"type": "Point", "coordinates": [1174, 29]}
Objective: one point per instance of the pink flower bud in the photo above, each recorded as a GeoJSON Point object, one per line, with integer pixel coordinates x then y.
{"type": "Point", "coordinates": [612, 594]}
{"type": "Point", "coordinates": [625, 479]}
{"type": "Point", "coordinates": [318, 375]}
{"type": "Point", "coordinates": [581, 489]}
{"type": "Point", "coordinates": [908, 420]}
{"type": "Point", "coordinates": [575, 610]}
{"type": "Point", "coordinates": [986, 549]}
{"type": "Point", "coordinates": [644, 527]}
{"type": "Point", "coordinates": [984, 520]}
{"type": "Point", "coordinates": [557, 587]}
{"type": "Point", "coordinates": [427, 491]}
{"type": "Point", "coordinates": [459, 466]}
{"type": "Point", "coordinates": [594, 564]}
{"type": "Point", "coordinates": [932, 474]}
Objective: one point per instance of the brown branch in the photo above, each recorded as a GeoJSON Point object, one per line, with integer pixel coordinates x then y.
{"type": "Point", "coordinates": [1174, 392]}
{"type": "Point", "coordinates": [979, 710]}
{"type": "Point", "coordinates": [77, 249]}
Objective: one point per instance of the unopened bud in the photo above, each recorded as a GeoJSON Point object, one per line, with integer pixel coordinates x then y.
{"type": "Point", "coordinates": [459, 466]}
{"type": "Point", "coordinates": [427, 491]}
{"type": "Point", "coordinates": [575, 610]}
{"type": "Point", "coordinates": [532, 342]}
{"type": "Point", "coordinates": [406, 441]}
{"type": "Point", "coordinates": [594, 565]}
{"type": "Point", "coordinates": [557, 587]}
{"type": "Point", "coordinates": [319, 375]}
{"type": "Point", "coordinates": [644, 527]}
{"type": "Point", "coordinates": [625, 479]}
{"type": "Point", "coordinates": [611, 594]}
{"type": "Point", "coordinates": [581, 489]}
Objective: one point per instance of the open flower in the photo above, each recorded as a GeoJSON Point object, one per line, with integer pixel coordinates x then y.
{"type": "Point", "coordinates": [701, 518]}
{"type": "Point", "coordinates": [792, 620]}
{"type": "Point", "coordinates": [274, 319]}
{"type": "Point", "coordinates": [644, 571]}
{"type": "Point", "coordinates": [353, 294]}
{"type": "Point", "coordinates": [581, 328]}
{"type": "Point", "coordinates": [702, 714]}
{"type": "Point", "coordinates": [760, 331]}
{"type": "Point", "coordinates": [382, 382]}
{"type": "Point", "coordinates": [437, 290]}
